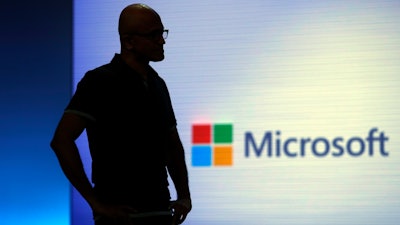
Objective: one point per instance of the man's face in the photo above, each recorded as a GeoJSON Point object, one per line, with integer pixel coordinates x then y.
{"type": "Point", "coordinates": [148, 41]}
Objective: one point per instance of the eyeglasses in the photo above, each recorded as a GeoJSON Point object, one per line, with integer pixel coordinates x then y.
{"type": "Point", "coordinates": [154, 35]}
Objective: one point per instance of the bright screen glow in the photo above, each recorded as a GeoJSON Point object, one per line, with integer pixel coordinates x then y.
{"type": "Point", "coordinates": [303, 95]}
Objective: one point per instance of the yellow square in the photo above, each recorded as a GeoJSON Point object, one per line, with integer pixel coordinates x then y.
{"type": "Point", "coordinates": [223, 155]}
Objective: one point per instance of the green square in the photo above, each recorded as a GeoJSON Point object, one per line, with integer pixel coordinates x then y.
{"type": "Point", "coordinates": [223, 133]}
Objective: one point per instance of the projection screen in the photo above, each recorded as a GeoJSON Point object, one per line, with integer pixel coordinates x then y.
{"type": "Point", "coordinates": [288, 110]}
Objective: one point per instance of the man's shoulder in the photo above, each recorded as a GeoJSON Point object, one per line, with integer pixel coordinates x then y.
{"type": "Point", "coordinates": [97, 78]}
{"type": "Point", "coordinates": [102, 72]}
{"type": "Point", "coordinates": [109, 68]}
{"type": "Point", "coordinates": [106, 69]}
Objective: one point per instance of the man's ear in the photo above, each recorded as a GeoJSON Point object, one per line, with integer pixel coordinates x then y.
{"type": "Point", "coordinates": [126, 42]}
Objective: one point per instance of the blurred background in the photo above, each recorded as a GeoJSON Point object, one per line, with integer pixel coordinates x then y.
{"type": "Point", "coordinates": [35, 85]}
{"type": "Point", "coordinates": [304, 68]}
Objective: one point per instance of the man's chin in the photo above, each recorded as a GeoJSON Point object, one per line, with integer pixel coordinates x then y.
{"type": "Point", "coordinates": [158, 59]}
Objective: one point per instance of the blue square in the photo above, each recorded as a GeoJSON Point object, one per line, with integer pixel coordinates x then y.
{"type": "Point", "coordinates": [201, 155]}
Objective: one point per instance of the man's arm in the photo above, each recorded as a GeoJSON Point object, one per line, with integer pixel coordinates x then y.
{"type": "Point", "coordinates": [179, 175]}
{"type": "Point", "coordinates": [68, 130]}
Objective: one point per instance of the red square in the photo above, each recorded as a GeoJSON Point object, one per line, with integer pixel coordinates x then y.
{"type": "Point", "coordinates": [201, 134]}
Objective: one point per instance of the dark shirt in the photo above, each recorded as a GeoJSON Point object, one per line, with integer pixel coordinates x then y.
{"type": "Point", "coordinates": [129, 121]}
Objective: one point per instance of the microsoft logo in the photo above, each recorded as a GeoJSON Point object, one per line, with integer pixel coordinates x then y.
{"type": "Point", "coordinates": [212, 145]}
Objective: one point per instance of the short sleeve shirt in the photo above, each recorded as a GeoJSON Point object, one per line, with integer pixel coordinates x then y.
{"type": "Point", "coordinates": [129, 122]}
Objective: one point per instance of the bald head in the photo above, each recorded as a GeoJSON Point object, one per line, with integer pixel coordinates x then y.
{"type": "Point", "coordinates": [136, 17]}
{"type": "Point", "coordinates": [140, 29]}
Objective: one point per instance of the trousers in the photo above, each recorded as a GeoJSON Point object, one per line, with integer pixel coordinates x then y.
{"type": "Point", "coordinates": [145, 220]}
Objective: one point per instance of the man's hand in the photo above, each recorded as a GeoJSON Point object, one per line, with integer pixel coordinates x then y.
{"type": "Point", "coordinates": [180, 210]}
{"type": "Point", "coordinates": [117, 212]}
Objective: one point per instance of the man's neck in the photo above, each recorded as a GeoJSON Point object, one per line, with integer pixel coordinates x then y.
{"type": "Point", "coordinates": [141, 67]}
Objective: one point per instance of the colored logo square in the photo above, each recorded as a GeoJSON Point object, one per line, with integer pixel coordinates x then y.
{"type": "Point", "coordinates": [223, 155]}
{"type": "Point", "coordinates": [201, 155]}
{"type": "Point", "coordinates": [223, 133]}
{"type": "Point", "coordinates": [201, 134]}
{"type": "Point", "coordinates": [212, 144]}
